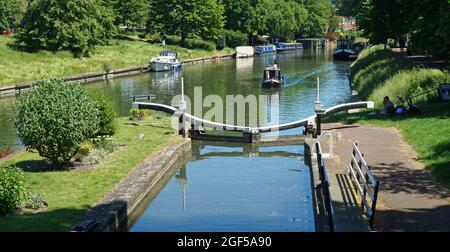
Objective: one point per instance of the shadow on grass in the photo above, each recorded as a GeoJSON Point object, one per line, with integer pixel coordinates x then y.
{"type": "Point", "coordinates": [104, 217]}
{"type": "Point", "coordinates": [414, 220]}
{"type": "Point", "coordinates": [440, 167]}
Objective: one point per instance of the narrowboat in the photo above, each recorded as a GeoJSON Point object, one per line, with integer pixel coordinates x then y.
{"type": "Point", "coordinates": [284, 47]}
{"type": "Point", "coordinates": [344, 51]}
{"type": "Point", "coordinates": [166, 61]}
{"type": "Point", "coordinates": [272, 77]}
{"type": "Point", "coordinates": [265, 49]}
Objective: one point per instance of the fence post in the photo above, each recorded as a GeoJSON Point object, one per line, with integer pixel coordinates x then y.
{"type": "Point", "coordinates": [374, 205]}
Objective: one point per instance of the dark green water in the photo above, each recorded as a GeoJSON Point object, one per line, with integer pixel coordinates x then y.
{"type": "Point", "coordinates": [228, 188]}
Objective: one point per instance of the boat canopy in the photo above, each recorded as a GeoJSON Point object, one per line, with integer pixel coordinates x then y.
{"type": "Point", "coordinates": [272, 72]}
{"type": "Point", "coordinates": [168, 53]}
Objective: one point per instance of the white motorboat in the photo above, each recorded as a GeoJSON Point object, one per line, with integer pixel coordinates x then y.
{"type": "Point", "coordinates": [166, 61]}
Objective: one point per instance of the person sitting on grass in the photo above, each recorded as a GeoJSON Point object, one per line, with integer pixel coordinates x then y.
{"type": "Point", "coordinates": [389, 108]}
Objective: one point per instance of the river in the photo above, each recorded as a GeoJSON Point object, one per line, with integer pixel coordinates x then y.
{"type": "Point", "coordinates": [229, 188]}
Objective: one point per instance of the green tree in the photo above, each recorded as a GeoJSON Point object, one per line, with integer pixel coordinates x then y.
{"type": "Point", "coordinates": [10, 12]}
{"type": "Point", "coordinates": [55, 118]}
{"type": "Point", "coordinates": [382, 19]}
{"type": "Point", "coordinates": [74, 25]}
{"type": "Point", "coordinates": [203, 18]}
{"type": "Point", "coordinates": [320, 13]}
{"type": "Point", "coordinates": [131, 13]}
{"type": "Point", "coordinates": [347, 8]}
{"type": "Point", "coordinates": [429, 26]}
{"type": "Point", "coordinates": [238, 13]}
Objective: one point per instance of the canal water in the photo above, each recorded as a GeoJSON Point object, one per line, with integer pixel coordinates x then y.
{"type": "Point", "coordinates": [233, 187]}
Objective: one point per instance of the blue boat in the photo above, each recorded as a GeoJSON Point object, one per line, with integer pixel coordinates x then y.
{"type": "Point", "coordinates": [265, 49]}
{"type": "Point", "coordinates": [283, 47]}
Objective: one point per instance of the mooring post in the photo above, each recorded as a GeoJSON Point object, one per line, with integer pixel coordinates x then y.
{"type": "Point", "coordinates": [182, 107]}
{"type": "Point", "coordinates": [319, 111]}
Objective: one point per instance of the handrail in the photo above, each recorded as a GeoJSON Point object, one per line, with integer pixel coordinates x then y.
{"type": "Point", "coordinates": [330, 144]}
{"type": "Point", "coordinates": [365, 183]}
{"type": "Point", "coordinates": [325, 187]}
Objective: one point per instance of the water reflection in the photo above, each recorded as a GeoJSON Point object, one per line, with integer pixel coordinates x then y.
{"type": "Point", "coordinates": [234, 188]}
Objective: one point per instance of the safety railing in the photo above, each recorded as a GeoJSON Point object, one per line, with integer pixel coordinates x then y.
{"type": "Point", "coordinates": [327, 201]}
{"type": "Point", "coordinates": [364, 182]}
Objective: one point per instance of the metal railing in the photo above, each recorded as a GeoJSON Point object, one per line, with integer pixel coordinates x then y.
{"type": "Point", "coordinates": [364, 182]}
{"type": "Point", "coordinates": [320, 140]}
{"type": "Point", "coordinates": [327, 201]}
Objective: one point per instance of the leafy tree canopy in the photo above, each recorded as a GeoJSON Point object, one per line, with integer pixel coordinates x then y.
{"type": "Point", "coordinates": [74, 25]}
{"type": "Point", "coordinates": [10, 12]}
{"type": "Point", "coordinates": [203, 18]}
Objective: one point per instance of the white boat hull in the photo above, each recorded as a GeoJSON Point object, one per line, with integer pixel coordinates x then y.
{"type": "Point", "coordinates": [163, 66]}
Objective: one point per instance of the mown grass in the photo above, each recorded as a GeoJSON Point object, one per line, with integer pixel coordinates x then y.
{"type": "Point", "coordinates": [17, 67]}
{"type": "Point", "coordinates": [427, 133]}
{"type": "Point", "coordinates": [71, 193]}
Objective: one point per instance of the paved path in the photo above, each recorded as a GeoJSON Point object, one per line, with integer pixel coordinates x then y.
{"type": "Point", "coordinates": [410, 199]}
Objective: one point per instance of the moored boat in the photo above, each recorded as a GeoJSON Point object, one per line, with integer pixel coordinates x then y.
{"type": "Point", "coordinates": [166, 61]}
{"type": "Point", "coordinates": [272, 77]}
{"type": "Point", "coordinates": [244, 51]}
{"type": "Point", "coordinates": [345, 51]}
{"type": "Point", "coordinates": [266, 49]}
{"type": "Point", "coordinates": [283, 47]}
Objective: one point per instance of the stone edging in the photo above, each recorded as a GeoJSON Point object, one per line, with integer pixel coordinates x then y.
{"type": "Point", "coordinates": [112, 212]}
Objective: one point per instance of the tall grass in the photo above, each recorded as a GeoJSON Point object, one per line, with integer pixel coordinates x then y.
{"type": "Point", "coordinates": [18, 67]}
{"type": "Point", "coordinates": [410, 83]}
{"type": "Point", "coordinates": [379, 72]}
{"type": "Point", "coordinates": [375, 74]}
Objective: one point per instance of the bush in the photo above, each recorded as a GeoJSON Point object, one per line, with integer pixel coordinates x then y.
{"type": "Point", "coordinates": [107, 114]}
{"type": "Point", "coordinates": [410, 83]}
{"type": "Point", "coordinates": [11, 189]}
{"type": "Point", "coordinates": [35, 201]}
{"type": "Point", "coordinates": [197, 43]}
{"type": "Point", "coordinates": [55, 118]}
{"type": "Point", "coordinates": [235, 38]}
{"type": "Point", "coordinates": [139, 114]}
{"type": "Point", "coordinates": [173, 40]}
{"type": "Point", "coordinates": [154, 38]}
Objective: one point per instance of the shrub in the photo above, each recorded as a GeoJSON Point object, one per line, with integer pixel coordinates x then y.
{"type": "Point", "coordinates": [410, 83]}
{"type": "Point", "coordinates": [153, 38]}
{"type": "Point", "coordinates": [106, 143]}
{"type": "Point", "coordinates": [139, 114]}
{"type": "Point", "coordinates": [197, 43]}
{"type": "Point", "coordinates": [95, 157]}
{"type": "Point", "coordinates": [11, 189]}
{"type": "Point", "coordinates": [86, 148]}
{"type": "Point", "coordinates": [35, 200]}
{"type": "Point", "coordinates": [235, 38]}
{"type": "Point", "coordinates": [173, 40]}
{"type": "Point", "coordinates": [55, 118]}
{"type": "Point", "coordinates": [107, 114]}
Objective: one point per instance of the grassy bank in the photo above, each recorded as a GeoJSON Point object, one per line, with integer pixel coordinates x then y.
{"type": "Point", "coordinates": [378, 73]}
{"type": "Point", "coordinates": [70, 193]}
{"type": "Point", "coordinates": [18, 67]}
